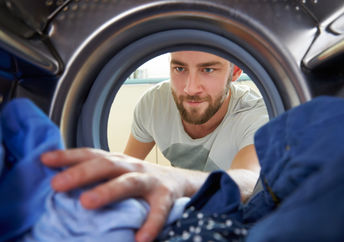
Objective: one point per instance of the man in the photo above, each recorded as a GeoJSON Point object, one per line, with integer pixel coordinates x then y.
{"type": "Point", "coordinates": [202, 90]}
{"type": "Point", "coordinates": [199, 119]}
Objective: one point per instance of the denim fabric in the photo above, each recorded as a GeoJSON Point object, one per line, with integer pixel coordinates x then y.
{"type": "Point", "coordinates": [302, 156]}
{"type": "Point", "coordinates": [295, 146]}
{"type": "Point", "coordinates": [313, 212]}
{"type": "Point", "coordinates": [24, 183]}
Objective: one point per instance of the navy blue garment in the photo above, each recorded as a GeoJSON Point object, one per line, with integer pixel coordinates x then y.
{"type": "Point", "coordinates": [314, 212]}
{"type": "Point", "coordinates": [2, 163]}
{"type": "Point", "coordinates": [24, 183]}
{"type": "Point", "coordinates": [219, 194]}
{"type": "Point", "coordinates": [302, 176]}
{"type": "Point", "coordinates": [302, 158]}
{"type": "Point", "coordinates": [213, 214]}
{"type": "Point", "coordinates": [295, 146]}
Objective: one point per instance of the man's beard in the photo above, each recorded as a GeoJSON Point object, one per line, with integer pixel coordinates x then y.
{"type": "Point", "coordinates": [193, 116]}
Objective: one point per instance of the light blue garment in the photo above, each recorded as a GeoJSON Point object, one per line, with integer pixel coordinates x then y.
{"type": "Point", "coordinates": [30, 210]}
{"type": "Point", "coordinates": [66, 220]}
{"type": "Point", "coordinates": [24, 182]}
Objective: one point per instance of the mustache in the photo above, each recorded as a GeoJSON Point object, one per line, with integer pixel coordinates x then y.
{"type": "Point", "coordinates": [194, 98]}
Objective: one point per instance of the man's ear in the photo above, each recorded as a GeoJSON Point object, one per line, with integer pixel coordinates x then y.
{"type": "Point", "coordinates": [236, 73]}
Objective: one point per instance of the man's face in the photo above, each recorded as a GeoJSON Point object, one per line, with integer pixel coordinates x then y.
{"type": "Point", "coordinates": [200, 83]}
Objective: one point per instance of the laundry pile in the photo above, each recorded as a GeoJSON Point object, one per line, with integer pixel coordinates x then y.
{"type": "Point", "coordinates": [31, 211]}
{"type": "Point", "coordinates": [26, 132]}
{"type": "Point", "coordinates": [299, 196]}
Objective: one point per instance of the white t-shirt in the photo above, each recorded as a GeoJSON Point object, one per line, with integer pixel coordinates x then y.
{"type": "Point", "coordinates": [156, 118]}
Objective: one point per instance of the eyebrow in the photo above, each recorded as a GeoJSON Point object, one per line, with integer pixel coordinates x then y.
{"type": "Point", "coordinates": [206, 64]}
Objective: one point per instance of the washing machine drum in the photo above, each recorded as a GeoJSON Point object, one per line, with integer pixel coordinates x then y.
{"type": "Point", "coordinates": [71, 57]}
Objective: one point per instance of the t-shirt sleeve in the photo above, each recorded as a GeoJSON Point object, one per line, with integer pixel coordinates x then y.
{"type": "Point", "coordinates": [140, 128]}
{"type": "Point", "coordinates": [254, 120]}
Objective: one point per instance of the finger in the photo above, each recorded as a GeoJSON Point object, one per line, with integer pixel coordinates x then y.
{"type": "Point", "coordinates": [60, 158]}
{"type": "Point", "coordinates": [159, 211]}
{"type": "Point", "coordinates": [85, 173]}
{"type": "Point", "coordinates": [126, 186]}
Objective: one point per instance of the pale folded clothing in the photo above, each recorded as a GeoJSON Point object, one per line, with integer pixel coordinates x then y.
{"type": "Point", "coordinates": [66, 220]}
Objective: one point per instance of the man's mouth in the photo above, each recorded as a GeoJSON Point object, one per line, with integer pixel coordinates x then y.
{"type": "Point", "coordinates": [194, 102]}
{"type": "Point", "coordinates": [194, 99]}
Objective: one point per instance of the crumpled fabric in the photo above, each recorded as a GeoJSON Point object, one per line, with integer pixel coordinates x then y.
{"type": "Point", "coordinates": [313, 212]}
{"type": "Point", "coordinates": [2, 154]}
{"type": "Point", "coordinates": [24, 183]}
{"type": "Point", "coordinates": [213, 214]}
{"type": "Point", "coordinates": [66, 220]}
{"type": "Point", "coordinates": [295, 146]}
{"type": "Point", "coordinates": [302, 158]}
{"type": "Point", "coordinates": [31, 211]}
{"type": "Point", "coordinates": [302, 184]}
{"type": "Point", "coordinates": [302, 180]}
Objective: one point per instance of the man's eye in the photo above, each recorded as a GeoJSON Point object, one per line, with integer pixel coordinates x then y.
{"type": "Point", "coordinates": [179, 69]}
{"type": "Point", "coordinates": [208, 70]}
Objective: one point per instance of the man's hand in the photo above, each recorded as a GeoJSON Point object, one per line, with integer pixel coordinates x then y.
{"type": "Point", "coordinates": [121, 177]}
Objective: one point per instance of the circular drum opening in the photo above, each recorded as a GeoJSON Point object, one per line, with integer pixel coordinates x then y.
{"type": "Point", "coordinates": [98, 68]}
{"type": "Point", "coordinates": [92, 126]}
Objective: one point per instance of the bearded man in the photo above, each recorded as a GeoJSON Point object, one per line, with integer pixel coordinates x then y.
{"type": "Point", "coordinates": [200, 119]}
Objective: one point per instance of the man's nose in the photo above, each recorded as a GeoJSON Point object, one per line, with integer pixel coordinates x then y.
{"type": "Point", "coordinates": [193, 85]}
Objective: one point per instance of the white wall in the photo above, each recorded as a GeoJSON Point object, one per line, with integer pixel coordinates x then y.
{"type": "Point", "coordinates": [120, 119]}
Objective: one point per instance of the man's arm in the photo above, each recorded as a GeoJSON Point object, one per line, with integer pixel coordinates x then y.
{"type": "Point", "coordinates": [245, 170]}
{"type": "Point", "coordinates": [138, 149]}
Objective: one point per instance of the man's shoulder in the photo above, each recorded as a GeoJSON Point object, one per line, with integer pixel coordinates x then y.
{"type": "Point", "coordinates": [157, 99]}
{"type": "Point", "coordinates": [160, 88]}
{"type": "Point", "coordinates": [245, 89]}
{"type": "Point", "coordinates": [244, 98]}
{"type": "Point", "coordinates": [156, 94]}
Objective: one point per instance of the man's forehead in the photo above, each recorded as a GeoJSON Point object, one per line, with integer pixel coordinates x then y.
{"type": "Point", "coordinates": [196, 58]}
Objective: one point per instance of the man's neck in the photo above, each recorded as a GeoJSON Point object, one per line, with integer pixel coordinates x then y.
{"type": "Point", "coordinates": [197, 131]}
